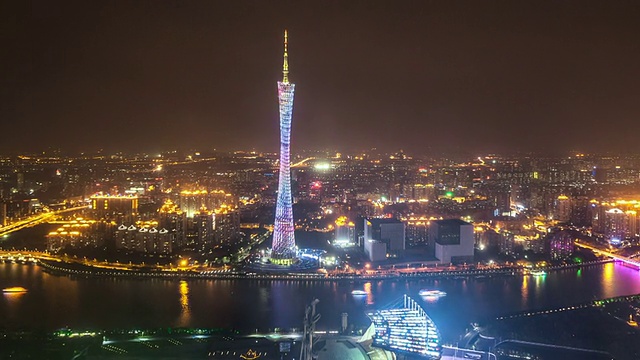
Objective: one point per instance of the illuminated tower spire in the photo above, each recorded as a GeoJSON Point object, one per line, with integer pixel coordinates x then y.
{"type": "Point", "coordinates": [283, 250]}
{"type": "Point", "coordinates": [285, 64]}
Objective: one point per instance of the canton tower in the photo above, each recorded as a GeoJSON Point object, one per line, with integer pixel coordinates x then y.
{"type": "Point", "coordinates": [283, 251]}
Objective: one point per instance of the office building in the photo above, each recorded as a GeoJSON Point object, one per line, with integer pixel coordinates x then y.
{"type": "Point", "coordinates": [454, 240]}
{"type": "Point", "coordinates": [389, 231]}
{"type": "Point", "coordinates": [375, 250]}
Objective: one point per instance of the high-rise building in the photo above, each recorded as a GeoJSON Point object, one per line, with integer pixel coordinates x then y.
{"type": "Point", "coordinates": [20, 181]}
{"type": "Point", "coordinates": [562, 208]}
{"type": "Point", "coordinates": [204, 223]}
{"type": "Point", "coordinates": [560, 245]}
{"type": "Point", "coordinates": [226, 225]}
{"type": "Point", "coordinates": [119, 207]}
{"type": "Point", "coordinates": [3, 213]}
{"type": "Point", "coordinates": [345, 234]}
{"type": "Point", "coordinates": [581, 211]}
{"type": "Point", "coordinates": [283, 249]}
{"type": "Point", "coordinates": [143, 239]}
{"type": "Point", "coordinates": [125, 237]}
{"type": "Point", "coordinates": [191, 201]}
{"type": "Point", "coordinates": [172, 218]}
{"type": "Point", "coordinates": [616, 219]}
{"type": "Point", "coordinates": [417, 230]}
{"type": "Point", "coordinates": [506, 242]}
{"type": "Point", "coordinates": [619, 224]}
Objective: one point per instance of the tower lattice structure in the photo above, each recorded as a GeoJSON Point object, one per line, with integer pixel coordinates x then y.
{"type": "Point", "coordinates": [284, 245]}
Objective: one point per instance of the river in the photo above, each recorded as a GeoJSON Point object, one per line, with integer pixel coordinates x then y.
{"type": "Point", "coordinates": [55, 301]}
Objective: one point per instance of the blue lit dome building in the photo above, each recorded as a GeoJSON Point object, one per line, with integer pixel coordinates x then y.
{"type": "Point", "coordinates": [405, 328]}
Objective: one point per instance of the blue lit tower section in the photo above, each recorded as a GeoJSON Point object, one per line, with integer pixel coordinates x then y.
{"type": "Point", "coordinates": [283, 251]}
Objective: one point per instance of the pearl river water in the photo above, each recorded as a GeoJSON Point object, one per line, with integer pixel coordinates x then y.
{"type": "Point", "coordinates": [56, 301]}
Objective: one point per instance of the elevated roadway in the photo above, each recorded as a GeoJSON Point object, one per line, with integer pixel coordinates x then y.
{"type": "Point", "coordinates": [36, 219]}
{"type": "Point", "coordinates": [629, 261]}
{"type": "Point", "coordinates": [302, 163]}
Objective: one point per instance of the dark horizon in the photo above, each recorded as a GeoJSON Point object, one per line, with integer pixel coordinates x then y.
{"type": "Point", "coordinates": [426, 77]}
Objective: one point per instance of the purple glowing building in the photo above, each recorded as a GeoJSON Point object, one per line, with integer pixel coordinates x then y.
{"type": "Point", "coordinates": [283, 251]}
{"type": "Point", "coordinates": [561, 245]}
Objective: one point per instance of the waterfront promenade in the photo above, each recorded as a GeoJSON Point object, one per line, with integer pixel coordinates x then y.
{"type": "Point", "coordinates": [84, 267]}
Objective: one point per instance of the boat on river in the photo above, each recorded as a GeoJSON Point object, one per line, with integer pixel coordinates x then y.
{"type": "Point", "coordinates": [537, 273]}
{"type": "Point", "coordinates": [432, 293]}
{"type": "Point", "coordinates": [14, 290]}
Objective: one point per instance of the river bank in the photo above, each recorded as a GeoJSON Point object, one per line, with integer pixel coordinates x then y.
{"type": "Point", "coordinates": [76, 269]}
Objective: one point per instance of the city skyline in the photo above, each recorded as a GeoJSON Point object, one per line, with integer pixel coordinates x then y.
{"type": "Point", "coordinates": [198, 228]}
{"type": "Point", "coordinates": [463, 174]}
{"type": "Point", "coordinates": [456, 76]}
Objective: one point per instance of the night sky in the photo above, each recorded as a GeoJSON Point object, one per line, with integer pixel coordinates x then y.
{"type": "Point", "coordinates": [423, 76]}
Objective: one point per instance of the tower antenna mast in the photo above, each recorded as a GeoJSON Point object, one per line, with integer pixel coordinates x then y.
{"type": "Point", "coordinates": [285, 64]}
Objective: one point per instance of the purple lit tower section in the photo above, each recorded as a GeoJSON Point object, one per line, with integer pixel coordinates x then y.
{"type": "Point", "coordinates": [283, 251]}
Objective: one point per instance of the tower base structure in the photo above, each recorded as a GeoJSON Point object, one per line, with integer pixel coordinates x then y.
{"type": "Point", "coordinates": [283, 262]}
{"type": "Point", "coordinates": [303, 261]}
{"type": "Point", "coordinates": [288, 258]}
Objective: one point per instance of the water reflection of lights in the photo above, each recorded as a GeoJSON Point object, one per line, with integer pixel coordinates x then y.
{"type": "Point", "coordinates": [13, 295]}
{"type": "Point", "coordinates": [184, 295]}
{"type": "Point", "coordinates": [430, 299]}
{"type": "Point", "coordinates": [608, 279]}
{"type": "Point", "coordinates": [185, 313]}
{"type": "Point", "coordinates": [608, 271]}
{"type": "Point", "coordinates": [13, 300]}
{"type": "Point", "coordinates": [525, 290]}
{"type": "Point", "coordinates": [367, 289]}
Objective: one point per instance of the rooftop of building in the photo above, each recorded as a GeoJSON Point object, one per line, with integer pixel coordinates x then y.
{"type": "Point", "coordinates": [451, 222]}
{"type": "Point", "coordinates": [378, 222]}
{"type": "Point", "coordinates": [115, 196]}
